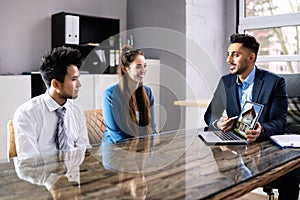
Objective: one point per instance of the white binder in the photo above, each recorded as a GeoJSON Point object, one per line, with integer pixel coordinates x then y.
{"type": "Point", "coordinates": [71, 29]}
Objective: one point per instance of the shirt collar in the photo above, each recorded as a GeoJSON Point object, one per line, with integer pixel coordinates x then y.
{"type": "Point", "coordinates": [52, 105]}
{"type": "Point", "coordinates": [249, 79]}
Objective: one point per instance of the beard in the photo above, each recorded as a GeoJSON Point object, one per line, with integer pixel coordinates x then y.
{"type": "Point", "coordinates": [66, 95]}
{"type": "Point", "coordinates": [239, 69]}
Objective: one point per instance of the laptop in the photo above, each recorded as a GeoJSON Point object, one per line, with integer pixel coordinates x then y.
{"type": "Point", "coordinates": [246, 120]}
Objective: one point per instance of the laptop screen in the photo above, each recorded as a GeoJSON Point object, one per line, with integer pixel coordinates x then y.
{"type": "Point", "coordinates": [248, 117]}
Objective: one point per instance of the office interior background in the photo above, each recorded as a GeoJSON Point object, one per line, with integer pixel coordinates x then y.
{"type": "Point", "coordinates": [206, 25]}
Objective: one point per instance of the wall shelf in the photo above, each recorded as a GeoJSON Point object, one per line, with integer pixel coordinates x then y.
{"type": "Point", "coordinates": [90, 35]}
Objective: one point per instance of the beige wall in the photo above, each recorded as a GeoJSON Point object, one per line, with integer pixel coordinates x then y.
{"type": "Point", "coordinates": [26, 27]}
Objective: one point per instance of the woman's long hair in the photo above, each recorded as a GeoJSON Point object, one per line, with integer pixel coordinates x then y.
{"type": "Point", "coordinates": [129, 98]}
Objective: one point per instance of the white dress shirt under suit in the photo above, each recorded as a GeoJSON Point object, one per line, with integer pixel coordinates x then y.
{"type": "Point", "coordinates": [35, 124]}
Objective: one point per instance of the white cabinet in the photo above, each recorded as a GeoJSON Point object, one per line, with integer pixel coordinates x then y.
{"type": "Point", "coordinates": [101, 83]}
{"type": "Point", "coordinates": [85, 98]}
{"type": "Point", "coordinates": [15, 90]}
{"type": "Point", "coordinates": [152, 79]}
{"type": "Point", "coordinates": [92, 87]}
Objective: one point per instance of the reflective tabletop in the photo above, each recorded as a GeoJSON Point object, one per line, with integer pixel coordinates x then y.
{"type": "Point", "coordinates": [170, 165]}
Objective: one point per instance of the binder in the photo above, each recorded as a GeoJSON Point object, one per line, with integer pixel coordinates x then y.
{"type": "Point", "coordinates": [71, 29]}
{"type": "Point", "coordinates": [75, 30]}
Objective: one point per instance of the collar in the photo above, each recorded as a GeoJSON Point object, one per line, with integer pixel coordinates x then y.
{"type": "Point", "coordinates": [249, 79]}
{"type": "Point", "coordinates": [52, 105]}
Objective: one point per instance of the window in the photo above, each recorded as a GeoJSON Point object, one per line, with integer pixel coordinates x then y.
{"type": "Point", "coordinates": [276, 25]}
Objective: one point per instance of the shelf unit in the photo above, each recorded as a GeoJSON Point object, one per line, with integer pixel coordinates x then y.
{"type": "Point", "coordinates": [95, 37]}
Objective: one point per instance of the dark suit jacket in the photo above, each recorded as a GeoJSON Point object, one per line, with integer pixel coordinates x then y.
{"type": "Point", "coordinates": [269, 90]}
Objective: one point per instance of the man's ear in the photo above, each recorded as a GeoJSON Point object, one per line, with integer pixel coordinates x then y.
{"type": "Point", "coordinates": [252, 57]}
{"type": "Point", "coordinates": [55, 84]}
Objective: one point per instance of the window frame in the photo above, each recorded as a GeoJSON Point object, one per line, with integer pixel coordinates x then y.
{"type": "Point", "coordinates": [264, 22]}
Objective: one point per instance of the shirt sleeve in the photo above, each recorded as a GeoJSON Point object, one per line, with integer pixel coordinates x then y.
{"type": "Point", "coordinates": [112, 128]}
{"type": "Point", "coordinates": [25, 134]}
{"type": "Point", "coordinates": [152, 112]}
{"type": "Point", "coordinates": [84, 138]}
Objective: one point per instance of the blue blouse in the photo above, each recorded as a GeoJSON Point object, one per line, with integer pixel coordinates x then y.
{"type": "Point", "coordinates": [114, 115]}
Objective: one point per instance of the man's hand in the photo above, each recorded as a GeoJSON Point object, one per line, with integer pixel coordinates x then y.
{"type": "Point", "coordinates": [225, 123]}
{"type": "Point", "coordinates": [252, 135]}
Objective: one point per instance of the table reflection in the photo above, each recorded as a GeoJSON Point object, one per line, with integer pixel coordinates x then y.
{"type": "Point", "coordinates": [237, 162]}
{"type": "Point", "coordinates": [54, 171]}
{"type": "Point", "coordinates": [128, 160]}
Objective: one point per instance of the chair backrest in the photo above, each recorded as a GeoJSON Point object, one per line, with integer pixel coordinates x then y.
{"type": "Point", "coordinates": [292, 86]}
{"type": "Point", "coordinates": [95, 125]}
{"type": "Point", "coordinates": [12, 152]}
{"type": "Point", "coordinates": [292, 82]}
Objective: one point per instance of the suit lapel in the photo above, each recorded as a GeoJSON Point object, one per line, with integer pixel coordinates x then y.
{"type": "Point", "coordinates": [258, 82]}
{"type": "Point", "coordinates": [233, 92]}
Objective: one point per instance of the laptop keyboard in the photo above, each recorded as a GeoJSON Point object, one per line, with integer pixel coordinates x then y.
{"type": "Point", "coordinates": [226, 135]}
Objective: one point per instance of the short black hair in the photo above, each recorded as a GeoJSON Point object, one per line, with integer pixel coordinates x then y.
{"type": "Point", "coordinates": [54, 64]}
{"type": "Point", "coordinates": [246, 40]}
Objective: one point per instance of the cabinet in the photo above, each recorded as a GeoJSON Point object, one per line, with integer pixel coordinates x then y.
{"type": "Point", "coordinates": [11, 98]}
{"type": "Point", "coordinates": [97, 38]}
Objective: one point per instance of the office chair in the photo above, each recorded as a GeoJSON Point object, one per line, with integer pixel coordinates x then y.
{"type": "Point", "coordinates": [12, 152]}
{"type": "Point", "coordinates": [293, 116]}
{"type": "Point", "coordinates": [95, 125]}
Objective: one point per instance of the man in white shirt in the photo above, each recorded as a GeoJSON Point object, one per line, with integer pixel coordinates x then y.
{"type": "Point", "coordinates": [36, 122]}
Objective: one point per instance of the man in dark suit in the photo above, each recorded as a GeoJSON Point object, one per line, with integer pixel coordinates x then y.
{"type": "Point", "coordinates": [246, 82]}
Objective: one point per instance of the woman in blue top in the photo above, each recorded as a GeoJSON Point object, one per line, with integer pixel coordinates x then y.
{"type": "Point", "coordinates": [128, 106]}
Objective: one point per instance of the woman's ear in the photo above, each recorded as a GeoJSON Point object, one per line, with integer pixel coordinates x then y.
{"type": "Point", "coordinates": [124, 69]}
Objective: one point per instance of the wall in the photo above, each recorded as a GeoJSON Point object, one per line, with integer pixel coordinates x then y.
{"type": "Point", "coordinates": [167, 19]}
{"type": "Point", "coordinates": [26, 27]}
{"type": "Point", "coordinates": [209, 23]}
{"type": "Point", "coordinates": [230, 17]}
{"type": "Point", "coordinates": [208, 28]}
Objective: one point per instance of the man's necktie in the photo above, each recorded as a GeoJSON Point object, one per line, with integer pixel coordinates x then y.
{"type": "Point", "coordinates": [61, 137]}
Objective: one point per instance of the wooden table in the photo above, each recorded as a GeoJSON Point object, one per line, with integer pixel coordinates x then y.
{"type": "Point", "coordinates": [173, 165]}
{"type": "Point", "coordinates": [193, 103]}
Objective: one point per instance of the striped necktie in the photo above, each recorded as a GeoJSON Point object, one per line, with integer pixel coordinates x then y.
{"type": "Point", "coordinates": [61, 138]}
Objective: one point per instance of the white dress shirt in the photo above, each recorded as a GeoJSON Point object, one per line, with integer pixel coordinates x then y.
{"type": "Point", "coordinates": [35, 124]}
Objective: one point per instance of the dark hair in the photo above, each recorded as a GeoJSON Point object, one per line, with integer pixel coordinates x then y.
{"type": "Point", "coordinates": [246, 40]}
{"type": "Point", "coordinates": [128, 54]}
{"type": "Point", "coordinates": [54, 64]}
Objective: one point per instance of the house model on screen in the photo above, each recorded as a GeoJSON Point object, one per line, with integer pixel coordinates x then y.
{"type": "Point", "coordinates": [246, 119]}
